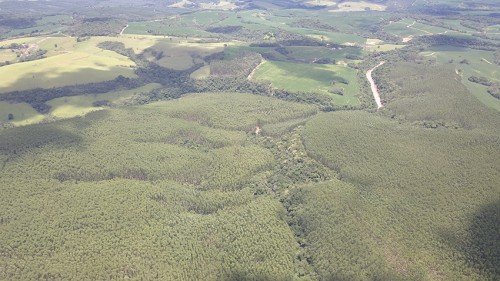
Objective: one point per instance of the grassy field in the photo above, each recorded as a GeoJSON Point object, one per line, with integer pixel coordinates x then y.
{"type": "Point", "coordinates": [479, 63]}
{"type": "Point", "coordinates": [23, 113]}
{"type": "Point", "coordinates": [410, 28]}
{"type": "Point", "coordinates": [7, 55]}
{"type": "Point", "coordinates": [68, 107]}
{"type": "Point", "coordinates": [162, 27]}
{"type": "Point", "coordinates": [182, 55]}
{"type": "Point", "coordinates": [312, 53]}
{"type": "Point", "coordinates": [45, 25]}
{"type": "Point", "coordinates": [74, 63]}
{"type": "Point", "coordinates": [312, 78]}
{"type": "Point", "coordinates": [360, 6]}
{"type": "Point", "coordinates": [376, 45]}
{"type": "Point", "coordinates": [259, 22]}
{"type": "Point", "coordinates": [201, 73]}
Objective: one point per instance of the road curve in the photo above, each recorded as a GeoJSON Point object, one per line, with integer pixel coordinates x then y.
{"type": "Point", "coordinates": [376, 96]}
{"type": "Point", "coordinates": [121, 32]}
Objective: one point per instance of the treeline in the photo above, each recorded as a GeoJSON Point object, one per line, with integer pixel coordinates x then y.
{"type": "Point", "coordinates": [301, 42]}
{"type": "Point", "coordinates": [225, 29]}
{"type": "Point", "coordinates": [494, 91]}
{"type": "Point", "coordinates": [314, 24]}
{"type": "Point", "coordinates": [279, 51]}
{"type": "Point", "coordinates": [446, 40]}
{"type": "Point", "coordinates": [493, 88]}
{"type": "Point", "coordinates": [37, 98]}
{"type": "Point", "coordinates": [243, 85]}
{"type": "Point", "coordinates": [149, 73]}
{"type": "Point", "coordinates": [240, 66]}
{"type": "Point", "coordinates": [480, 80]}
{"type": "Point", "coordinates": [96, 27]}
{"type": "Point", "coordinates": [228, 76]}
{"type": "Point", "coordinates": [438, 10]}
{"type": "Point", "coordinates": [119, 48]}
{"type": "Point", "coordinates": [36, 55]}
{"type": "Point", "coordinates": [15, 22]}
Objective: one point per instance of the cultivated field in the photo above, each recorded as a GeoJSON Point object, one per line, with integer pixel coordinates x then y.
{"type": "Point", "coordinates": [312, 78]}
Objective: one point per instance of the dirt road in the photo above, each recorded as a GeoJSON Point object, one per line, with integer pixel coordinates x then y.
{"type": "Point", "coordinates": [376, 96]}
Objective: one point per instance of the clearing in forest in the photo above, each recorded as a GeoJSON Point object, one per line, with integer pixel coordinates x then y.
{"type": "Point", "coordinates": [337, 81]}
{"type": "Point", "coordinates": [358, 7]}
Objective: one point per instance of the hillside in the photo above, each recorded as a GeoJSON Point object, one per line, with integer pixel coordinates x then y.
{"type": "Point", "coordinates": [241, 140]}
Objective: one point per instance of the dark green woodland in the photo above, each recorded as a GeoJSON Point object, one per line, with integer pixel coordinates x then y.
{"type": "Point", "coordinates": [240, 140]}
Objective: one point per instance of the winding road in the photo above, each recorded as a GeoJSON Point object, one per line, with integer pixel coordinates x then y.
{"type": "Point", "coordinates": [376, 96]}
{"type": "Point", "coordinates": [121, 32]}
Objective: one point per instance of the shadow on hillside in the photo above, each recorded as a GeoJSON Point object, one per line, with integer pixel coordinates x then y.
{"type": "Point", "coordinates": [484, 249]}
{"type": "Point", "coordinates": [17, 141]}
{"type": "Point", "coordinates": [481, 249]}
{"type": "Point", "coordinates": [51, 77]}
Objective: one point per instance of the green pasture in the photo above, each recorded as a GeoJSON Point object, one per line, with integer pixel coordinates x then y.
{"type": "Point", "coordinates": [377, 45]}
{"type": "Point", "coordinates": [456, 24]}
{"type": "Point", "coordinates": [493, 29]}
{"type": "Point", "coordinates": [347, 22]}
{"type": "Point", "coordinates": [164, 27]}
{"type": "Point", "coordinates": [201, 73]}
{"type": "Point", "coordinates": [7, 55]}
{"type": "Point", "coordinates": [312, 53]}
{"type": "Point", "coordinates": [183, 55]}
{"type": "Point", "coordinates": [136, 42]}
{"type": "Point", "coordinates": [57, 45]}
{"type": "Point", "coordinates": [299, 53]}
{"type": "Point", "coordinates": [55, 19]}
{"type": "Point", "coordinates": [429, 29]}
{"type": "Point", "coordinates": [335, 37]}
{"type": "Point", "coordinates": [410, 28]}
{"type": "Point", "coordinates": [75, 63]}
{"type": "Point", "coordinates": [451, 3]}
{"type": "Point", "coordinates": [479, 63]}
{"type": "Point", "coordinates": [46, 25]}
{"type": "Point", "coordinates": [234, 51]}
{"type": "Point", "coordinates": [23, 113]}
{"type": "Point", "coordinates": [37, 29]}
{"type": "Point", "coordinates": [67, 107]}
{"type": "Point", "coordinates": [206, 18]}
{"type": "Point", "coordinates": [284, 20]}
{"type": "Point", "coordinates": [401, 28]}
{"type": "Point", "coordinates": [193, 24]}
{"type": "Point", "coordinates": [312, 78]}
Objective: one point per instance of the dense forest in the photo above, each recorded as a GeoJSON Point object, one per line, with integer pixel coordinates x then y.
{"type": "Point", "coordinates": [241, 140]}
